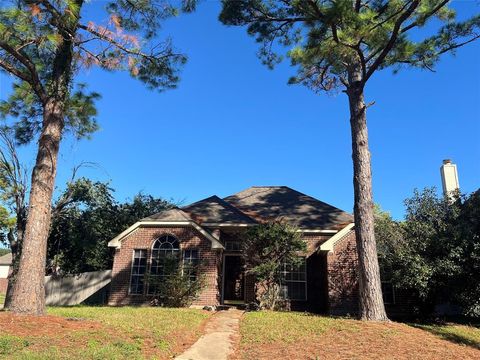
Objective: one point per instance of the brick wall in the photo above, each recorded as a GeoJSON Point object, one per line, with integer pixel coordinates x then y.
{"type": "Point", "coordinates": [342, 272]}
{"type": "Point", "coordinates": [143, 238]}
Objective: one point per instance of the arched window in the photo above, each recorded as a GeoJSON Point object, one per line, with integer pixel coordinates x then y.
{"type": "Point", "coordinates": [164, 260]}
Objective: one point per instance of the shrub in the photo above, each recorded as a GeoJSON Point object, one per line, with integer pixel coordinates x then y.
{"type": "Point", "coordinates": [266, 248]}
{"type": "Point", "coordinates": [179, 286]}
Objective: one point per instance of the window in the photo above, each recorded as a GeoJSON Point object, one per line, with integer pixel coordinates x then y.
{"type": "Point", "coordinates": [164, 259]}
{"type": "Point", "coordinates": [388, 292]}
{"type": "Point", "coordinates": [139, 266]}
{"type": "Point", "coordinates": [294, 281]}
{"type": "Point", "coordinates": [233, 245]}
{"type": "Point", "coordinates": [190, 263]}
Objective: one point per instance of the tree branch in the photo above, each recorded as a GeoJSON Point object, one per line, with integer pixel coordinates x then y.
{"type": "Point", "coordinates": [115, 43]}
{"type": "Point", "coordinates": [393, 39]}
{"type": "Point", "coordinates": [33, 80]}
{"type": "Point", "coordinates": [13, 70]}
{"type": "Point", "coordinates": [426, 16]}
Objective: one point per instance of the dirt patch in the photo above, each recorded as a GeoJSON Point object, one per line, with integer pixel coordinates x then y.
{"type": "Point", "coordinates": [23, 325]}
{"type": "Point", "coordinates": [363, 341]}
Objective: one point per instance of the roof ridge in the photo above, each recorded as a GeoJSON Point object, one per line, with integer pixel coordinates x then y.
{"type": "Point", "coordinates": [323, 202]}
{"type": "Point", "coordinates": [234, 208]}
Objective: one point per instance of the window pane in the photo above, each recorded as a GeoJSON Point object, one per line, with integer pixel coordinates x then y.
{"type": "Point", "coordinates": [164, 260]}
{"type": "Point", "coordinates": [294, 283]}
{"type": "Point", "coordinates": [139, 267]}
{"type": "Point", "coordinates": [190, 262]}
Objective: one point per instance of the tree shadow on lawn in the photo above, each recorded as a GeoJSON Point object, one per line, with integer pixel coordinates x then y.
{"type": "Point", "coordinates": [459, 332]}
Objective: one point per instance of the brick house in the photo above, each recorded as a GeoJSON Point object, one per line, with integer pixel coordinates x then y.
{"type": "Point", "coordinates": [211, 230]}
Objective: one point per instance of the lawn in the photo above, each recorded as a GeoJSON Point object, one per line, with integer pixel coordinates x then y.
{"type": "Point", "coordinates": [100, 333]}
{"type": "Point", "coordinates": [2, 299]}
{"type": "Point", "coordinates": [462, 334]}
{"type": "Point", "coordinates": [273, 335]}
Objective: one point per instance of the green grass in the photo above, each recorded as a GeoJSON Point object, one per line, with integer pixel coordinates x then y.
{"type": "Point", "coordinates": [105, 333]}
{"type": "Point", "coordinates": [268, 327]}
{"type": "Point", "coordinates": [2, 298]}
{"type": "Point", "coordinates": [462, 334]}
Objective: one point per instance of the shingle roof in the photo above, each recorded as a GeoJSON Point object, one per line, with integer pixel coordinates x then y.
{"type": "Point", "coordinates": [174, 214]}
{"type": "Point", "coordinates": [216, 210]}
{"type": "Point", "coordinates": [6, 259]}
{"type": "Point", "coordinates": [271, 202]}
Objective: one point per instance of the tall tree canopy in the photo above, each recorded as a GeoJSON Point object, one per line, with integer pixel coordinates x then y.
{"type": "Point", "coordinates": [340, 44]}
{"type": "Point", "coordinates": [81, 231]}
{"type": "Point", "coordinates": [43, 45]}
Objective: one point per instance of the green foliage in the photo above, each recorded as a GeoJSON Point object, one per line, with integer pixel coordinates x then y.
{"type": "Point", "coordinates": [40, 39]}
{"type": "Point", "coordinates": [178, 288]}
{"type": "Point", "coordinates": [330, 40]}
{"type": "Point", "coordinates": [265, 249]}
{"type": "Point", "coordinates": [435, 252]}
{"type": "Point", "coordinates": [24, 106]}
{"type": "Point", "coordinates": [91, 217]}
{"type": "Point", "coordinates": [4, 251]}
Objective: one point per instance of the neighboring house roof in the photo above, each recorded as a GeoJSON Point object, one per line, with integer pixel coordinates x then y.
{"type": "Point", "coordinates": [6, 259]}
{"type": "Point", "coordinates": [214, 210]}
{"type": "Point", "coordinates": [265, 203]}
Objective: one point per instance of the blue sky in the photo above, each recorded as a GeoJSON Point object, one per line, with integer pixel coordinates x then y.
{"type": "Point", "coordinates": [232, 123]}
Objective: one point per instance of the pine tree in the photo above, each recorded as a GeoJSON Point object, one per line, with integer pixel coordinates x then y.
{"type": "Point", "coordinates": [340, 44]}
{"type": "Point", "coordinates": [44, 44]}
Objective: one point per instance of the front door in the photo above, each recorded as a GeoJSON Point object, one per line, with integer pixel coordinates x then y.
{"type": "Point", "coordinates": [233, 283]}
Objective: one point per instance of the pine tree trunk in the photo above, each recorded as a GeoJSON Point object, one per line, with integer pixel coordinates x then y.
{"type": "Point", "coordinates": [370, 301]}
{"type": "Point", "coordinates": [15, 247]}
{"type": "Point", "coordinates": [28, 293]}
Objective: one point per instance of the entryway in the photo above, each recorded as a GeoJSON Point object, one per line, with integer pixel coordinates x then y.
{"type": "Point", "coordinates": [233, 280]}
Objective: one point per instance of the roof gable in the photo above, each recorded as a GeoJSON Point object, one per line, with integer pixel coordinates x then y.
{"type": "Point", "coordinates": [265, 203]}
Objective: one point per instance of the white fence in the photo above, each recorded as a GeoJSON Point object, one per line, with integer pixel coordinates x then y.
{"type": "Point", "coordinates": [72, 290]}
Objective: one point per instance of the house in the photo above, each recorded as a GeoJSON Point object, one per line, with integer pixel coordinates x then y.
{"type": "Point", "coordinates": [5, 263]}
{"type": "Point", "coordinates": [211, 229]}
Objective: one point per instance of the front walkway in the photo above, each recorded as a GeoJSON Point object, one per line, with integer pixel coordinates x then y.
{"type": "Point", "coordinates": [219, 340]}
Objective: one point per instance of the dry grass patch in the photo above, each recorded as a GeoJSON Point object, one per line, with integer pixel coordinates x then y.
{"type": "Point", "coordinates": [273, 335]}
{"type": "Point", "coordinates": [100, 333]}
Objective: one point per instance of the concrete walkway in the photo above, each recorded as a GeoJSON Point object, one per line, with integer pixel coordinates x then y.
{"type": "Point", "coordinates": [219, 340]}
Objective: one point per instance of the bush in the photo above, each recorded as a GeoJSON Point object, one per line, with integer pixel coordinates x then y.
{"type": "Point", "coordinates": [178, 287]}
{"type": "Point", "coordinates": [266, 248]}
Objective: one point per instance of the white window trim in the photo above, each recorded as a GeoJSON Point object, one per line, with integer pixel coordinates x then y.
{"type": "Point", "coordinates": [301, 281]}
{"type": "Point", "coordinates": [131, 273]}
{"type": "Point", "coordinates": [116, 241]}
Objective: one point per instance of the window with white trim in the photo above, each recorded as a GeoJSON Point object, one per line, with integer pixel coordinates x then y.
{"type": "Point", "coordinates": [294, 280]}
{"type": "Point", "coordinates": [139, 267]}
{"type": "Point", "coordinates": [165, 257]}
{"type": "Point", "coordinates": [190, 263]}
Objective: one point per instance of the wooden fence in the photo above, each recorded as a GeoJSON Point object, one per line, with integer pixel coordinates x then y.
{"type": "Point", "coordinates": [73, 290]}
